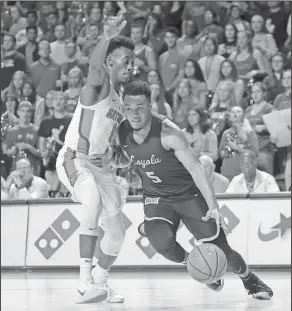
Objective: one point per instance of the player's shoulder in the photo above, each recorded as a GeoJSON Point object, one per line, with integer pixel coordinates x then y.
{"type": "Point", "coordinates": [171, 135]}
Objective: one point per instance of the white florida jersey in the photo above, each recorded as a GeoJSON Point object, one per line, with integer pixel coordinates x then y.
{"type": "Point", "coordinates": [92, 127]}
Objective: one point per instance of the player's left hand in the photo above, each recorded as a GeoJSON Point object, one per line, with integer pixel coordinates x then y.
{"type": "Point", "coordinates": [215, 214]}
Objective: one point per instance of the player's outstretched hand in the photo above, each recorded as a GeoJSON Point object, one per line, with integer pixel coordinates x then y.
{"type": "Point", "coordinates": [113, 26]}
{"type": "Point", "coordinates": [215, 214]}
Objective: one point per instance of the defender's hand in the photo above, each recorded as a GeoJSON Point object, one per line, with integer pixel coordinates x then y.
{"type": "Point", "coordinates": [113, 26]}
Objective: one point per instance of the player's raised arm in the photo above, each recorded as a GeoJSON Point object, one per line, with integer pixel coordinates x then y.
{"type": "Point", "coordinates": [97, 74]}
{"type": "Point", "coordinates": [174, 138]}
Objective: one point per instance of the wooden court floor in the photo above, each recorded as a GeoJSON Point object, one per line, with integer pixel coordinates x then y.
{"type": "Point", "coordinates": [171, 290]}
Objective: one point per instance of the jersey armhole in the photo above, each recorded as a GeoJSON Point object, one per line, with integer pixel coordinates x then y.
{"type": "Point", "coordinates": [163, 122]}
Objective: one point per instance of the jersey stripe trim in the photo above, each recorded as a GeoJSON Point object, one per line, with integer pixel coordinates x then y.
{"type": "Point", "coordinates": [69, 166]}
{"type": "Point", "coordinates": [86, 118]}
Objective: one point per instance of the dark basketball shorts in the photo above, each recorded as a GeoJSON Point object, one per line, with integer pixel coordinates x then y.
{"type": "Point", "coordinates": [189, 211]}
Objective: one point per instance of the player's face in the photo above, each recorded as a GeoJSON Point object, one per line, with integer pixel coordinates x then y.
{"type": "Point", "coordinates": [257, 93]}
{"type": "Point", "coordinates": [123, 65]}
{"type": "Point", "coordinates": [286, 80]}
{"type": "Point", "coordinates": [24, 114]}
{"type": "Point", "coordinates": [226, 69]}
{"type": "Point", "coordinates": [138, 111]}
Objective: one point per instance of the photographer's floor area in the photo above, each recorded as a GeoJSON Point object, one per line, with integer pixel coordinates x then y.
{"type": "Point", "coordinates": [143, 290]}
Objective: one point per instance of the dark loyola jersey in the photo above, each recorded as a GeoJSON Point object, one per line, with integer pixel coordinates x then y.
{"type": "Point", "coordinates": [161, 172]}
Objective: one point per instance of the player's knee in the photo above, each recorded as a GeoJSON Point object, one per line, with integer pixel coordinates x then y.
{"type": "Point", "coordinates": [221, 242]}
{"type": "Point", "coordinates": [114, 235]}
{"type": "Point", "coordinates": [160, 235]}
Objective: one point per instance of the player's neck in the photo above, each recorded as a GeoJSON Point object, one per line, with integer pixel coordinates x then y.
{"type": "Point", "coordinates": [143, 132]}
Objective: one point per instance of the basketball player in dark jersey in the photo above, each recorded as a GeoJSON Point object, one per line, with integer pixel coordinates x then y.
{"type": "Point", "coordinates": [175, 186]}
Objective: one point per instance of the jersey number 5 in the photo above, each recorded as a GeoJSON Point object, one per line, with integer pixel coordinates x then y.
{"type": "Point", "coordinates": [154, 178]}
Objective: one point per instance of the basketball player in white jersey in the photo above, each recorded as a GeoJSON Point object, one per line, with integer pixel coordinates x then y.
{"type": "Point", "coordinates": [97, 115]}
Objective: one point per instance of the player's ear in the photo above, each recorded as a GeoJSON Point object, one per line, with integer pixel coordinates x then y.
{"type": "Point", "coordinates": [110, 61]}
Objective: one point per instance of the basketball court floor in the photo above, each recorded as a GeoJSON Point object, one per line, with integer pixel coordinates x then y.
{"type": "Point", "coordinates": [144, 290]}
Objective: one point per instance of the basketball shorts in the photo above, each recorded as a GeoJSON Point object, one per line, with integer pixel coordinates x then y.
{"type": "Point", "coordinates": [188, 211]}
{"type": "Point", "coordinates": [111, 193]}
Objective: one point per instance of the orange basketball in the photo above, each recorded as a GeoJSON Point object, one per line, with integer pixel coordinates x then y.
{"type": "Point", "coordinates": [207, 263]}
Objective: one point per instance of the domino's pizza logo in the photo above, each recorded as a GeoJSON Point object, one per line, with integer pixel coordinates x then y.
{"type": "Point", "coordinates": [57, 234]}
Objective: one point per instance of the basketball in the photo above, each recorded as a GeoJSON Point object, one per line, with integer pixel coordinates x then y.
{"type": "Point", "coordinates": [207, 263]}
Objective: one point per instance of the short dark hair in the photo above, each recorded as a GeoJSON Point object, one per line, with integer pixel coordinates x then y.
{"type": "Point", "coordinates": [136, 88]}
{"type": "Point", "coordinates": [31, 27]}
{"type": "Point", "coordinates": [172, 30]}
{"type": "Point", "coordinates": [120, 42]}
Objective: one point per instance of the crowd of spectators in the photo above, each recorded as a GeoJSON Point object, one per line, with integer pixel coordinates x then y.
{"type": "Point", "coordinates": [214, 68]}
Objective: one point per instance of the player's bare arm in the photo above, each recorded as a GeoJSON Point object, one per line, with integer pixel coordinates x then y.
{"type": "Point", "coordinates": [120, 158]}
{"type": "Point", "coordinates": [173, 138]}
{"type": "Point", "coordinates": [97, 83]}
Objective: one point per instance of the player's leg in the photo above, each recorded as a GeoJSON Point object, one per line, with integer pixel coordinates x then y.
{"type": "Point", "coordinates": [161, 224]}
{"type": "Point", "coordinates": [191, 213]}
{"type": "Point", "coordinates": [113, 230]}
{"type": "Point", "coordinates": [84, 190]}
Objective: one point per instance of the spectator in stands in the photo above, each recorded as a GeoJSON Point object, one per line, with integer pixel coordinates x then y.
{"type": "Point", "coordinates": [28, 93]}
{"type": "Point", "coordinates": [189, 44]}
{"type": "Point", "coordinates": [235, 16]}
{"type": "Point", "coordinates": [21, 140]}
{"type": "Point", "coordinates": [219, 182]}
{"type": "Point", "coordinates": [171, 62]}
{"type": "Point", "coordinates": [4, 190]}
{"type": "Point", "coordinates": [211, 63]}
{"type": "Point", "coordinates": [211, 28]}
{"type": "Point", "coordinates": [234, 141]}
{"type": "Point", "coordinates": [193, 72]}
{"type": "Point", "coordinates": [24, 185]}
{"type": "Point", "coordinates": [18, 22]}
{"type": "Point", "coordinates": [22, 36]}
{"type": "Point", "coordinates": [93, 18]}
{"type": "Point", "coordinates": [183, 99]}
{"type": "Point", "coordinates": [48, 107]}
{"type": "Point", "coordinates": [154, 34]}
{"type": "Point", "coordinates": [145, 59]}
{"type": "Point", "coordinates": [200, 135]}
{"type": "Point", "coordinates": [248, 61]}
{"type": "Point", "coordinates": [283, 100]}
{"type": "Point", "coordinates": [224, 98]}
{"type": "Point", "coordinates": [172, 13]}
{"type": "Point", "coordinates": [254, 114]}
{"type": "Point", "coordinates": [15, 86]}
{"type": "Point", "coordinates": [58, 54]}
{"type": "Point", "coordinates": [252, 180]}
{"type": "Point", "coordinates": [261, 40]}
{"type": "Point", "coordinates": [49, 29]}
{"type": "Point", "coordinates": [229, 41]}
{"type": "Point", "coordinates": [159, 105]}
{"type": "Point", "coordinates": [196, 11]}
{"type": "Point", "coordinates": [273, 82]}
{"type": "Point", "coordinates": [9, 116]}
{"type": "Point", "coordinates": [62, 11]}
{"type": "Point", "coordinates": [139, 11]}
{"type": "Point", "coordinates": [75, 84]}
{"type": "Point", "coordinates": [276, 22]}
{"type": "Point", "coordinates": [92, 34]}
{"type": "Point", "coordinates": [12, 62]}
{"type": "Point", "coordinates": [228, 73]}
{"type": "Point", "coordinates": [54, 126]}
{"type": "Point", "coordinates": [45, 73]}
{"type": "Point", "coordinates": [30, 48]}
{"type": "Point", "coordinates": [153, 76]}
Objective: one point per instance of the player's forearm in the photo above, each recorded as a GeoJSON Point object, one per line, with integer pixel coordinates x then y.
{"type": "Point", "coordinates": [119, 160]}
{"type": "Point", "coordinates": [204, 185]}
{"type": "Point", "coordinates": [98, 55]}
